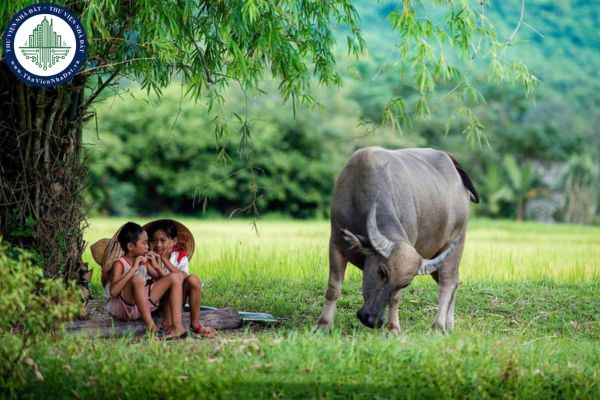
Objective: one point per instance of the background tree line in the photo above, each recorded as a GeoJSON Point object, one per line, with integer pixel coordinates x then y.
{"type": "Point", "coordinates": [426, 67]}
{"type": "Point", "coordinates": [541, 160]}
{"type": "Point", "coordinates": [157, 158]}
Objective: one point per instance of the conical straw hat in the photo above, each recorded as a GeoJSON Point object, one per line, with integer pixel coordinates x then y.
{"type": "Point", "coordinates": [112, 251]}
{"type": "Point", "coordinates": [98, 250]}
{"type": "Point", "coordinates": [184, 235]}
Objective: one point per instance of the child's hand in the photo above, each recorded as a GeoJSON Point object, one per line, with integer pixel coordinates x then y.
{"type": "Point", "coordinates": [155, 251]}
{"type": "Point", "coordinates": [139, 260]}
{"type": "Point", "coordinates": [154, 258]}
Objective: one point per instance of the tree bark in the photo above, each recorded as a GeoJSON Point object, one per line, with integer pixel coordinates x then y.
{"type": "Point", "coordinates": [223, 318]}
{"type": "Point", "coordinates": [42, 178]}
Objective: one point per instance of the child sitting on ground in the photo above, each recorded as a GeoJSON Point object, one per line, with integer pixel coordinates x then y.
{"type": "Point", "coordinates": [128, 296]}
{"type": "Point", "coordinates": [173, 258]}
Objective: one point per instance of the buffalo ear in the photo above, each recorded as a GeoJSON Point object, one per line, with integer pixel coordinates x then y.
{"type": "Point", "coordinates": [357, 242]}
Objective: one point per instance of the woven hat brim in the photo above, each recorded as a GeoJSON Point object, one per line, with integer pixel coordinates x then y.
{"type": "Point", "coordinates": [98, 249]}
{"type": "Point", "coordinates": [112, 252]}
{"type": "Point", "coordinates": [184, 235]}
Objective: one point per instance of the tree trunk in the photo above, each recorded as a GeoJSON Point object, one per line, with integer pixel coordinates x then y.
{"type": "Point", "coordinates": [222, 318]}
{"type": "Point", "coordinates": [581, 205]}
{"type": "Point", "coordinates": [42, 177]}
{"type": "Point", "coordinates": [520, 209]}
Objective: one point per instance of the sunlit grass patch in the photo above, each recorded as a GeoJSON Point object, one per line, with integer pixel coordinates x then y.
{"type": "Point", "coordinates": [516, 278]}
{"type": "Point", "coordinates": [495, 250]}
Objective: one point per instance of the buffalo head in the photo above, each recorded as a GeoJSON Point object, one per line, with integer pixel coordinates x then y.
{"type": "Point", "coordinates": [389, 266]}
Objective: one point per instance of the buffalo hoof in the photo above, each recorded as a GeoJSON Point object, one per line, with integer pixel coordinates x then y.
{"type": "Point", "coordinates": [323, 327]}
{"type": "Point", "coordinates": [437, 327]}
{"type": "Point", "coordinates": [393, 329]}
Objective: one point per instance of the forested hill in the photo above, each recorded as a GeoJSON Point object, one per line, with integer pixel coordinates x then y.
{"type": "Point", "coordinates": [565, 59]}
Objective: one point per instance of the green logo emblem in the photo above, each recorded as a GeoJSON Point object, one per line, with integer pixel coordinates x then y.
{"type": "Point", "coordinates": [44, 47]}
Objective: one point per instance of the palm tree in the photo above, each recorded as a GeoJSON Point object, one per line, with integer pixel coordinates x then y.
{"type": "Point", "coordinates": [494, 190]}
{"type": "Point", "coordinates": [522, 182]}
{"type": "Point", "coordinates": [579, 182]}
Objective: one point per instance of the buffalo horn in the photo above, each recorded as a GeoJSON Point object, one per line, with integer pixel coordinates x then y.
{"type": "Point", "coordinates": [429, 266]}
{"type": "Point", "coordinates": [379, 242]}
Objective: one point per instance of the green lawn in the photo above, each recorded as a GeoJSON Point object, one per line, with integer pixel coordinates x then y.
{"type": "Point", "coordinates": [527, 324]}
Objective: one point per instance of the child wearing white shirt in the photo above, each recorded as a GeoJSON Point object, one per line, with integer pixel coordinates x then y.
{"type": "Point", "coordinates": [173, 258]}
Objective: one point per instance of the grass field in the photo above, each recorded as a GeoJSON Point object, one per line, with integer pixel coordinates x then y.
{"type": "Point", "coordinates": [527, 324]}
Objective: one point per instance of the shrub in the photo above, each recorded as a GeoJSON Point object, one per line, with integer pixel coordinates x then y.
{"type": "Point", "coordinates": [33, 306]}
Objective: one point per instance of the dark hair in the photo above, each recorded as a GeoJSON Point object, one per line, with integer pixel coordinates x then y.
{"type": "Point", "coordinates": [168, 227]}
{"type": "Point", "coordinates": [130, 232]}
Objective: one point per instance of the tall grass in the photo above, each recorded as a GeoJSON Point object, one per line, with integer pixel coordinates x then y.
{"type": "Point", "coordinates": [495, 251]}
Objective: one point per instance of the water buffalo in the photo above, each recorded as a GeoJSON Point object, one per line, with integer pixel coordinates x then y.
{"type": "Point", "coordinates": [396, 214]}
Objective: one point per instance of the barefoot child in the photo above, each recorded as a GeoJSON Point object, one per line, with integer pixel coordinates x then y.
{"type": "Point", "coordinates": [124, 286]}
{"type": "Point", "coordinates": [172, 256]}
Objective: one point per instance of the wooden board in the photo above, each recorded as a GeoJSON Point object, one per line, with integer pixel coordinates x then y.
{"type": "Point", "coordinates": [222, 318]}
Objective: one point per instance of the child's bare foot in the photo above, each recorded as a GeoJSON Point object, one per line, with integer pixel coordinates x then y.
{"type": "Point", "coordinates": [204, 331]}
{"type": "Point", "coordinates": [152, 329]}
{"type": "Point", "coordinates": [177, 333]}
{"type": "Point", "coordinates": [165, 329]}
